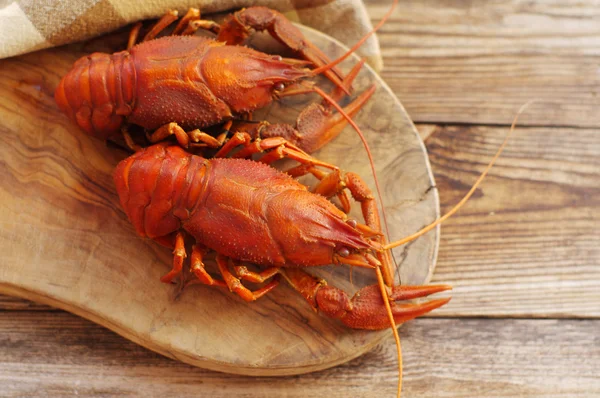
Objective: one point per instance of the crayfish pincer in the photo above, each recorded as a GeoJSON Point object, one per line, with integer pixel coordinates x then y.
{"type": "Point", "coordinates": [249, 212]}
{"type": "Point", "coordinates": [179, 84]}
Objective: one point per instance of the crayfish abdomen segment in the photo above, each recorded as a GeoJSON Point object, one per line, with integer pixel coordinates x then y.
{"type": "Point", "coordinates": [159, 188]}
{"type": "Point", "coordinates": [98, 92]}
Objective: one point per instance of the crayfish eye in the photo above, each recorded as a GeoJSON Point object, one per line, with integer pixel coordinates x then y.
{"type": "Point", "coordinates": [279, 86]}
{"type": "Point", "coordinates": [343, 252]}
{"type": "Point", "coordinates": [352, 223]}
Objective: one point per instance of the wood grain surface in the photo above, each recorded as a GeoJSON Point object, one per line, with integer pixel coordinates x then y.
{"type": "Point", "coordinates": [62, 355]}
{"type": "Point", "coordinates": [525, 247]}
{"type": "Point", "coordinates": [60, 206]}
{"type": "Point", "coordinates": [527, 244]}
{"type": "Point", "coordinates": [478, 62]}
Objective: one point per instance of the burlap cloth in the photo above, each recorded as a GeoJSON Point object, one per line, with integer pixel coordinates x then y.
{"type": "Point", "coordinates": [29, 25]}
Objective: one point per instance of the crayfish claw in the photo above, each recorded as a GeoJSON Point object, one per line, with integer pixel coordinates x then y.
{"type": "Point", "coordinates": [366, 310]}
{"type": "Point", "coordinates": [237, 27]}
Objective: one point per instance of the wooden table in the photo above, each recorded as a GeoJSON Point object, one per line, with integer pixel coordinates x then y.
{"type": "Point", "coordinates": [523, 255]}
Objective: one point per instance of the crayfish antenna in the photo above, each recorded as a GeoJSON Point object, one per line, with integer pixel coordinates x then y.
{"type": "Point", "coordinates": [384, 293]}
{"type": "Point", "coordinates": [464, 200]}
{"type": "Point", "coordinates": [388, 309]}
{"type": "Point", "coordinates": [359, 43]}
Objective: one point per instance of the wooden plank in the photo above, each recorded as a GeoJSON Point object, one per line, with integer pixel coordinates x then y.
{"type": "Point", "coordinates": [61, 355]}
{"type": "Point", "coordinates": [528, 243]}
{"type": "Point", "coordinates": [477, 62]}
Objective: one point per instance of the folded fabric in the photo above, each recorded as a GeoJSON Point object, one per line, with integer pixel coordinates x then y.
{"type": "Point", "coordinates": [29, 25]}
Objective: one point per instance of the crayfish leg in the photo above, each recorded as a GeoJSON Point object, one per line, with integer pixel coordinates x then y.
{"type": "Point", "coordinates": [166, 20]}
{"type": "Point", "coordinates": [197, 268]}
{"type": "Point", "coordinates": [179, 255]}
{"type": "Point", "coordinates": [187, 25]}
{"type": "Point", "coordinates": [256, 277]}
{"type": "Point", "coordinates": [185, 138]}
{"type": "Point", "coordinates": [191, 22]}
{"type": "Point", "coordinates": [193, 14]}
{"type": "Point", "coordinates": [236, 140]}
{"type": "Point", "coordinates": [133, 35]}
{"type": "Point", "coordinates": [129, 140]}
{"type": "Point", "coordinates": [272, 148]}
{"type": "Point", "coordinates": [236, 286]}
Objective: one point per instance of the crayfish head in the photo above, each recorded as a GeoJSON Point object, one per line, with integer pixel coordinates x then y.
{"type": "Point", "coordinates": [246, 79]}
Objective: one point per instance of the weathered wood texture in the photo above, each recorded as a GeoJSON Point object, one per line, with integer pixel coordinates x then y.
{"type": "Point", "coordinates": [527, 243]}
{"type": "Point", "coordinates": [58, 354]}
{"type": "Point", "coordinates": [477, 62]}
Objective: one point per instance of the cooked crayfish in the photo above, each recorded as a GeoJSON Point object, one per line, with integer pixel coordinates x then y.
{"type": "Point", "coordinates": [178, 84]}
{"type": "Point", "coordinates": [247, 211]}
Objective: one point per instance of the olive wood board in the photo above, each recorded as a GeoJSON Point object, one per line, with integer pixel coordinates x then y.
{"type": "Point", "coordinates": [66, 242]}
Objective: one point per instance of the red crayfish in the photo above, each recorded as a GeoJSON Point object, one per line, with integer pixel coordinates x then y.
{"type": "Point", "coordinates": [178, 84]}
{"type": "Point", "coordinates": [247, 211]}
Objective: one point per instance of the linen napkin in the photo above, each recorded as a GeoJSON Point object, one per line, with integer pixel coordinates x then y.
{"type": "Point", "coordinates": [29, 25]}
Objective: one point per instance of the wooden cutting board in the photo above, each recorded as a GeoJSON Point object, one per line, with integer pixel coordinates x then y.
{"type": "Point", "coordinates": [66, 242]}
